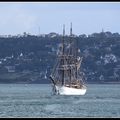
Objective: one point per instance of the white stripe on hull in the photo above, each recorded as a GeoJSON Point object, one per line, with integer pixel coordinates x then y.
{"type": "Point", "coordinates": [62, 90]}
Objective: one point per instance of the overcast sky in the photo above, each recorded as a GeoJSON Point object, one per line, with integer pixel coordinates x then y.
{"type": "Point", "coordinates": [46, 17]}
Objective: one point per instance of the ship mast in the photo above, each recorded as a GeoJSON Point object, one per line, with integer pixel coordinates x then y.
{"type": "Point", "coordinates": [76, 45]}
{"type": "Point", "coordinates": [71, 38]}
{"type": "Point", "coordinates": [63, 73]}
{"type": "Point", "coordinates": [70, 51]}
{"type": "Point", "coordinates": [76, 49]}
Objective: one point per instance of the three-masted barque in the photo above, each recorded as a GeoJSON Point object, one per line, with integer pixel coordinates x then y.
{"type": "Point", "coordinates": [66, 76]}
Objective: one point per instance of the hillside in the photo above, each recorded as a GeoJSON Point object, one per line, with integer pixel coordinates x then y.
{"type": "Point", "coordinates": [30, 58]}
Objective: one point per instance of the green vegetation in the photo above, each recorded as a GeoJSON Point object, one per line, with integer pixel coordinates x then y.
{"type": "Point", "coordinates": [30, 59]}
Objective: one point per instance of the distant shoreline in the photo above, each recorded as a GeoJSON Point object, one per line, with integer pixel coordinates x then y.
{"type": "Point", "coordinates": [103, 83]}
{"type": "Point", "coordinates": [50, 83]}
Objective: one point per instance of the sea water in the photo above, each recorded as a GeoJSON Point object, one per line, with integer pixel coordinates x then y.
{"type": "Point", "coordinates": [37, 100]}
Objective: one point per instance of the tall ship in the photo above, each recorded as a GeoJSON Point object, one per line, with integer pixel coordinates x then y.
{"type": "Point", "coordinates": [66, 77]}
